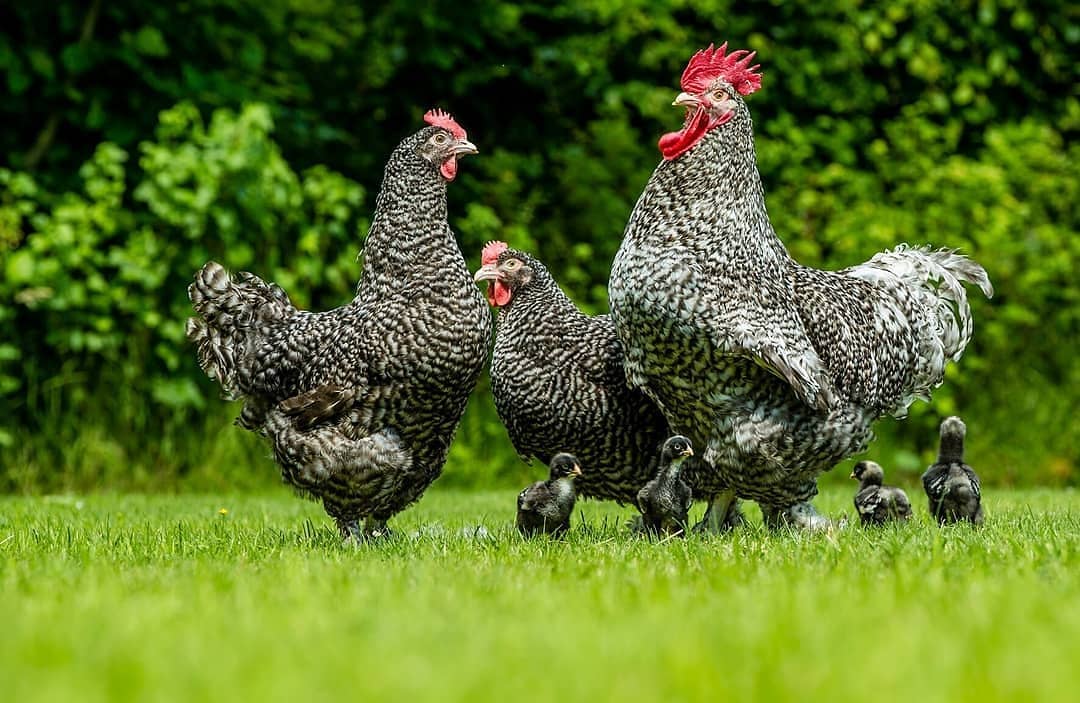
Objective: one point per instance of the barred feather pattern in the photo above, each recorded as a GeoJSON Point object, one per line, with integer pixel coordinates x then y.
{"type": "Point", "coordinates": [777, 369]}
{"type": "Point", "coordinates": [360, 402]}
{"type": "Point", "coordinates": [559, 386]}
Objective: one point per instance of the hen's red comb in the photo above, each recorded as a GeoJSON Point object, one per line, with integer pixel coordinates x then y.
{"type": "Point", "coordinates": [709, 64]}
{"type": "Point", "coordinates": [491, 251]}
{"type": "Point", "coordinates": [438, 118]}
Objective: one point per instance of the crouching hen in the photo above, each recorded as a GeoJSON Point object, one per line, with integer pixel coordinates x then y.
{"type": "Point", "coordinates": [558, 380]}
{"type": "Point", "coordinates": [360, 402]}
{"type": "Point", "coordinates": [775, 369]}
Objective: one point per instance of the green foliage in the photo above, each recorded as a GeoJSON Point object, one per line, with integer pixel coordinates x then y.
{"type": "Point", "coordinates": [129, 598]}
{"type": "Point", "coordinates": [141, 139]}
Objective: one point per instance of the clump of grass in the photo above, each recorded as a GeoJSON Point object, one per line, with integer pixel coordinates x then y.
{"type": "Point", "coordinates": [235, 597]}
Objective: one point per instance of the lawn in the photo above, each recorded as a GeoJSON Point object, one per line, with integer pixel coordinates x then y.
{"type": "Point", "coordinates": [253, 598]}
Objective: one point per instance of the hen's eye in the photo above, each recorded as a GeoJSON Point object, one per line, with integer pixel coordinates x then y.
{"type": "Point", "coordinates": [440, 139]}
{"type": "Point", "coordinates": [720, 95]}
{"type": "Point", "coordinates": [513, 264]}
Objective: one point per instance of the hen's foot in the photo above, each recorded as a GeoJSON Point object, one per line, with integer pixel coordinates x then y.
{"type": "Point", "coordinates": [723, 515]}
{"type": "Point", "coordinates": [800, 516]}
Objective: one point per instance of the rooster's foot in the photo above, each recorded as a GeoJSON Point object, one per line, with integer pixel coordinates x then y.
{"type": "Point", "coordinates": [800, 516]}
{"type": "Point", "coordinates": [723, 515]}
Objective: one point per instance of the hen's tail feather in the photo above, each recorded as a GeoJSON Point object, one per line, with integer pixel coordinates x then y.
{"type": "Point", "coordinates": [231, 310]}
{"type": "Point", "coordinates": [932, 295]}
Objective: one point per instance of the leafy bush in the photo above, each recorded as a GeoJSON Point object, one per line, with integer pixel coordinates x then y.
{"type": "Point", "coordinates": [923, 121]}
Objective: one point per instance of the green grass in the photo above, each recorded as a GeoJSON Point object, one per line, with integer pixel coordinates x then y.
{"type": "Point", "coordinates": [132, 597]}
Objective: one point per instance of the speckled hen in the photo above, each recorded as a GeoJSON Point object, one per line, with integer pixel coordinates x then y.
{"type": "Point", "coordinates": [558, 380]}
{"type": "Point", "coordinates": [360, 402]}
{"type": "Point", "coordinates": [776, 370]}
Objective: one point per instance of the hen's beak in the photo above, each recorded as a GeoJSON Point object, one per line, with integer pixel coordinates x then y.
{"type": "Point", "coordinates": [464, 146]}
{"type": "Point", "coordinates": [686, 100]}
{"type": "Point", "coordinates": [688, 452]}
{"type": "Point", "coordinates": [488, 272]}
{"type": "Point", "coordinates": [576, 471]}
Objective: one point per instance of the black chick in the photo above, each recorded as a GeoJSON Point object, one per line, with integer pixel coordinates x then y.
{"type": "Point", "coordinates": [665, 501]}
{"type": "Point", "coordinates": [875, 503]}
{"type": "Point", "coordinates": [951, 485]}
{"type": "Point", "coordinates": [545, 506]}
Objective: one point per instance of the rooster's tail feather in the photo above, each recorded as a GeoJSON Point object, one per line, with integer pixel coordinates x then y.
{"type": "Point", "coordinates": [231, 310]}
{"type": "Point", "coordinates": [929, 285]}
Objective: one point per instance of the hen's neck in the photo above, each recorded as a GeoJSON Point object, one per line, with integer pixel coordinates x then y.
{"type": "Point", "coordinates": [709, 197]}
{"type": "Point", "coordinates": [541, 299]}
{"type": "Point", "coordinates": [409, 238]}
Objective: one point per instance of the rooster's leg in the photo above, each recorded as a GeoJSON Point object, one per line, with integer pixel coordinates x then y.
{"type": "Point", "coordinates": [722, 515]}
{"type": "Point", "coordinates": [801, 515]}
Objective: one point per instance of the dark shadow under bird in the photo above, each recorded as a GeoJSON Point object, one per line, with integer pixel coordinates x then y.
{"type": "Point", "coordinates": [951, 486]}
{"type": "Point", "coordinates": [878, 504]}
{"type": "Point", "coordinates": [545, 506]}
{"type": "Point", "coordinates": [665, 501]}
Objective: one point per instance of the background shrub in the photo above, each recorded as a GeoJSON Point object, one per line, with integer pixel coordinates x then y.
{"type": "Point", "coordinates": [142, 139]}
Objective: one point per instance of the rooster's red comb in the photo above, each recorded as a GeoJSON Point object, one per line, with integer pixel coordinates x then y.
{"type": "Point", "coordinates": [709, 64]}
{"type": "Point", "coordinates": [438, 118]}
{"type": "Point", "coordinates": [491, 252]}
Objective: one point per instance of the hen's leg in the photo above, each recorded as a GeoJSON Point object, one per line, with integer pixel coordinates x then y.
{"type": "Point", "coordinates": [722, 515]}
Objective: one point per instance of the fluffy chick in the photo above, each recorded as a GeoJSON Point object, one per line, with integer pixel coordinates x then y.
{"type": "Point", "coordinates": [545, 506]}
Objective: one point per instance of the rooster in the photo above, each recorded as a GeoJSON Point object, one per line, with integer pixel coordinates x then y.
{"type": "Point", "coordinates": [559, 384]}
{"type": "Point", "coordinates": [360, 402]}
{"type": "Point", "coordinates": [778, 370]}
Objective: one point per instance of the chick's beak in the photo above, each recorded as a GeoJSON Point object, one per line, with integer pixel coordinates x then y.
{"type": "Point", "coordinates": [488, 272]}
{"type": "Point", "coordinates": [686, 100]}
{"type": "Point", "coordinates": [576, 471]}
{"type": "Point", "coordinates": [688, 452]}
{"type": "Point", "coordinates": [464, 146]}
{"type": "Point", "coordinates": [852, 475]}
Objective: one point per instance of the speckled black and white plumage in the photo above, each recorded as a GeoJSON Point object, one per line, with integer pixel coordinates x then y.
{"type": "Point", "coordinates": [545, 506]}
{"type": "Point", "coordinates": [360, 402]}
{"type": "Point", "coordinates": [559, 385]}
{"type": "Point", "coordinates": [775, 369]}
{"type": "Point", "coordinates": [876, 503]}
{"type": "Point", "coordinates": [665, 501]}
{"type": "Point", "coordinates": [951, 486]}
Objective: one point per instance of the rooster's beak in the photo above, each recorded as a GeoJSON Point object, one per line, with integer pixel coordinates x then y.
{"type": "Point", "coordinates": [486, 273]}
{"type": "Point", "coordinates": [686, 100]}
{"type": "Point", "coordinates": [464, 146]}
